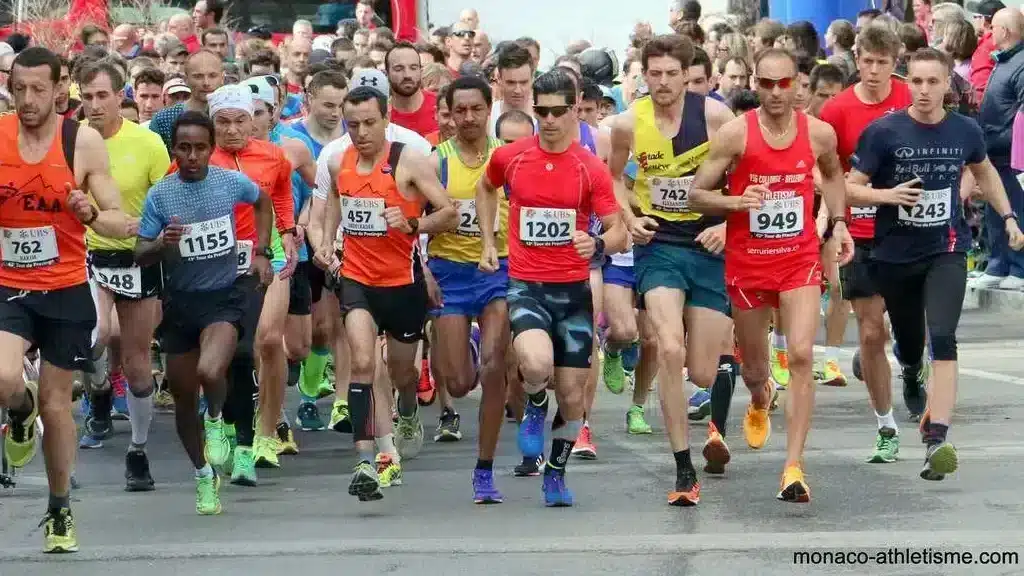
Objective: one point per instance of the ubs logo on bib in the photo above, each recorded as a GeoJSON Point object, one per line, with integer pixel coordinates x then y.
{"type": "Point", "coordinates": [904, 152]}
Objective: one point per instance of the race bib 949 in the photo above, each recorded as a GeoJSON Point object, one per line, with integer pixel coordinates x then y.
{"type": "Point", "coordinates": [546, 226]}
{"type": "Point", "coordinates": [778, 218]}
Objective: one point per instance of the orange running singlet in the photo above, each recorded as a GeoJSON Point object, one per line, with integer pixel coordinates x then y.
{"type": "Point", "coordinates": [375, 254]}
{"type": "Point", "coordinates": [42, 243]}
{"type": "Point", "coordinates": [266, 165]}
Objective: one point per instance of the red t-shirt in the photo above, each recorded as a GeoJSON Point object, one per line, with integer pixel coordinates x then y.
{"type": "Point", "coordinates": [293, 88]}
{"type": "Point", "coordinates": [192, 44]}
{"type": "Point", "coordinates": [422, 121]}
{"type": "Point", "coordinates": [550, 197]}
{"type": "Point", "coordinates": [849, 116]}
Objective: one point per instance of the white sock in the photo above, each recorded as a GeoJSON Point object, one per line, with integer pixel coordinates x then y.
{"type": "Point", "coordinates": [779, 340]}
{"type": "Point", "coordinates": [887, 421]}
{"type": "Point", "coordinates": [386, 445]}
{"type": "Point", "coordinates": [283, 418]}
{"type": "Point", "coordinates": [832, 353]}
{"type": "Point", "coordinates": [205, 472]}
{"type": "Point", "coordinates": [140, 415]}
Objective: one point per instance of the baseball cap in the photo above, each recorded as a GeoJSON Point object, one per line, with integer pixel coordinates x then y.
{"type": "Point", "coordinates": [261, 89]}
{"type": "Point", "coordinates": [176, 86]}
{"type": "Point", "coordinates": [261, 32]}
{"type": "Point", "coordinates": [5, 49]}
{"type": "Point", "coordinates": [986, 8]}
{"type": "Point", "coordinates": [373, 78]}
{"type": "Point", "coordinates": [323, 42]}
{"type": "Point", "coordinates": [317, 56]}
{"type": "Point", "coordinates": [606, 93]}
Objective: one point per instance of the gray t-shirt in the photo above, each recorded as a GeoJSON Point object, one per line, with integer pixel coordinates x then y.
{"type": "Point", "coordinates": [206, 257]}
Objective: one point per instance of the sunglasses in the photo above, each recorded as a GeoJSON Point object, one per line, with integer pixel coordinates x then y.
{"type": "Point", "coordinates": [556, 111]}
{"type": "Point", "coordinates": [464, 33]}
{"type": "Point", "coordinates": [771, 83]}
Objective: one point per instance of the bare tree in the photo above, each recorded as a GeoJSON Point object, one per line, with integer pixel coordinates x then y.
{"type": "Point", "coordinates": [46, 22]}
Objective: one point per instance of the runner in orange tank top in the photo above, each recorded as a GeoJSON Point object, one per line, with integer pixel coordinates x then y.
{"type": "Point", "coordinates": [383, 189]}
{"type": "Point", "coordinates": [771, 249]}
{"type": "Point", "coordinates": [45, 301]}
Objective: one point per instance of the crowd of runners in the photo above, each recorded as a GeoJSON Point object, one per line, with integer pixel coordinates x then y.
{"type": "Point", "coordinates": [340, 228]}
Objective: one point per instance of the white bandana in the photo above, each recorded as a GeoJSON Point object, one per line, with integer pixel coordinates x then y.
{"type": "Point", "coordinates": [230, 97]}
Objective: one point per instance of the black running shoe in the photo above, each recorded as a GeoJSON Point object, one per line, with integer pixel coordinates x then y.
{"type": "Point", "coordinates": [136, 472]}
{"type": "Point", "coordinates": [529, 467]}
{"type": "Point", "coordinates": [915, 397]}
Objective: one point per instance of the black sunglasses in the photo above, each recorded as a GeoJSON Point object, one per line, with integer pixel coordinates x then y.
{"type": "Point", "coordinates": [461, 33]}
{"type": "Point", "coordinates": [556, 111]}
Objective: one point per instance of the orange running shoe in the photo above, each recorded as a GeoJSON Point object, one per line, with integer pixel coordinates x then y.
{"type": "Point", "coordinates": [584, 447]}
{"type": "Point", "coordinates": [794, 488]}
{"type": "Point", "coordinates": [426, 391]}
{"type": "Point", "coordinates": [687, 492]}
{"type": "Point", "coordinates": [716, 452]}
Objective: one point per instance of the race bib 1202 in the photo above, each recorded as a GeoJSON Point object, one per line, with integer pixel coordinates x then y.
{"type": "Point", "coordinates": [207, 239]}
{"type": "Point", "coordinates": [363, 216]}
{"type": "Point", "coordinates": [29, 247]}
{"type": "Point", "coordinates": [546, 226]}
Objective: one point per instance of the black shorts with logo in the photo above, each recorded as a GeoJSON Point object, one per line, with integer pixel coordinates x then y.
{"type": "Point", "coordinates": [565, 310]}
{"type": "Point", "coordinates": [300, 297]}
{"type": "Point", "coordinates": [117, 272]}
{"type": "Point", "coordinates": [399, 311]}
{"type": "Point", "coordinates": [856, 279]}
{"type": "Point", "coordinates": [59, 323]}
{"type": "Point", "coordinates": [187, 314]}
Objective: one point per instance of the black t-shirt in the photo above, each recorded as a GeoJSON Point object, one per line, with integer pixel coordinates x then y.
{"type": "Point", "coordinates": [896, 149]}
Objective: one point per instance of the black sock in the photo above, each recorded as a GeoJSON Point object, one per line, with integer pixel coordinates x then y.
{"type": "Point", "coordinates": [682, 461]}
{"type": "Point", "coordinates": [539, 399]}
{"type": "Point", "coordinates": [560, 451]}
{"type": "Point", "coordinates": [721, 394]}
{"type": "Point", "coordinates": [360, 406]}
{"type": "Point", "coordinates": [557, 422]}
{"type": "Point", "coordinates": [58, 502]}
{"type": "Point", "coordinates": [241, 389]}
{"type": "Point", "coordinates": [484, 464]}
{"type": "Point", "coordinates": [935, 434]}
{"type": "Point", "coordinates": [22, 412]}
{"type": "Point", "coordinates": [294, 369]}
{"type": "Point", "coordinates": [100, 404]}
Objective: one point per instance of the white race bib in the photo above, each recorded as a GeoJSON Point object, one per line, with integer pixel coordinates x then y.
{"type": "Point", "coordinates": [781, 218]}
{"type": "Point", "coordinates": [363, 216]}
{"type": "Point", "coordinates": [244, 248]}
{"type": "Point", "coordinates": [207, 239]}
{"type": "Point", "coordinates": [469, 223]}
{"type": "Point", "coordinates": [546, 226]}
{"type": "Point", "coordinates": [670, 194]}
{"type": "Point", "coordinates": [124, 281]}
{"type": "Point", "coordinates": [29, 247]}
{"type": "Point", "coordinates": [933, 208]}
{"type": "Point", "coordinates": [862, 212]}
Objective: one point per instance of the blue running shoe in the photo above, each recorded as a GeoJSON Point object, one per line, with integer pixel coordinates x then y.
{"type": "Point", "coordinates": [700, 405]}
{"type": "Point", "coordinates": [202, 405]}
{"type": "Point", "coordinates": [631, 356]}
{"type": "Point", "coordinates": [556, 493]}
{"type": "Point", "coordinates": [474, 350]}
{"type": "Point", "coordinates": [484, 491]}
{"type": "Point", "coordinates": [94, 432]}
{"type": "Point", "coordinates": [531, 430]}
{"type": "Point", "coordinates": [85, 407]}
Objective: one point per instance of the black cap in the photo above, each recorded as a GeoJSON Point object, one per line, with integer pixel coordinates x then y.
{"type": "Point", "coordinates": [261, 32]}
{"type": "Point", "coordinates": [986, 8]}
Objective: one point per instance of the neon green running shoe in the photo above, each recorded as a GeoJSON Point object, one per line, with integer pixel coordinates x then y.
{"type": "Point", "coordinates": [887, 447]}
{"type": "Point", "coordinates": [614, 374]}
{"type": "Point", "coordinates": [389, 471]}
{"type": "Point", "coordinates": [635, 423]}
{"type": "Point", "coordinates": [265, 452]}
{"type": "Point", "coordinates": [218, 448]}
{"type": "Point", "coordinates": [59, 532]}
{"type": "Point", "coordinates": [20, 441]}
{"type": "Point", "coordinates": [779, 362]}
{"type": "Point", "coordinates": [208, 495]}
{"type": "Point", "coordinates": [243, 470]}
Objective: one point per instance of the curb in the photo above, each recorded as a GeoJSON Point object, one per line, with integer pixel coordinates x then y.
{"type": "Point", "coordinates": [993, 300]}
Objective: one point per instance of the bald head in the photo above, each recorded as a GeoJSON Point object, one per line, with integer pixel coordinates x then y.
{"type": "Point", "coordinates": [180, 25]}
{"type": "Point", "coordinates": [1007, 28]}
{"type": "Point", "coordinates": [470, 18]}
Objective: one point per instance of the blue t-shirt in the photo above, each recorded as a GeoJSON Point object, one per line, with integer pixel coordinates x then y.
{"type": "Point", "coordinates": [163, 122]}
{"type": "Point", "coordinates": [300, 127]}
{"type": "Point", "coordinates": [896, 149]}
{"type": "Point", "coordinates": [206, 258]}
{"type": "Point", "coordinates": [301, 192]}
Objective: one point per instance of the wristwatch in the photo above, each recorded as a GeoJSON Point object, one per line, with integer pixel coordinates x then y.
{"type": "Point", "coordinates": [1013, 215]}
{"type": "Point", "coordinates": [265, 252]}
{"type": "Point", "coordinates": [414, 223]}
{"type": "Point", "coordinates": [832, 221]}
{"type": "Point", "coordinates": [95, 213]}
{"type": "Point", "coordinates": [598, 245]}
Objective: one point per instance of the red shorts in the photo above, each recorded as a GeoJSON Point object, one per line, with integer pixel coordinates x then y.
{"type": "Point", "coordinates": [749, 291]}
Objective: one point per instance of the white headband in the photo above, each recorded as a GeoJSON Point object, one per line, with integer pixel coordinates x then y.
{"type": "Point", "coordinates": [231, 97]}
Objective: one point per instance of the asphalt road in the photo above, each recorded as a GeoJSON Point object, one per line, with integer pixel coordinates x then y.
{"type": "Point", "coordinates": [301, 518]}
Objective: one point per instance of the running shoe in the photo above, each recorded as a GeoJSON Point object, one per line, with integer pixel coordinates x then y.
{"type": "Point", "coordinates": [164, 401]}
{"type": "Point", "coordinates": [85, 406]}
{"type": "Point", "coordinates": [529, 467]}
{"type": "Point", "coordinates": [716, 451]}
{"type": "Point", "coordinates": [340, 422]}
{"type": "Point", "coordinates": [779, 363]}
{"type": "Point", "coordinates": [584, 447]}
{"type": "Point", "coordinates": [119, 384]}
{"type": "Point", "coordinates": [59, 532]}
{"type": "Point", "coordinates": [326, 386]}
{"type": "Point", "coordinates": [794, 488]}
{"type": "Point", "coordinates": [531, 429]}
{"type": "Point", "coordinates": [208, 495]}
{"type": "Point", "coordinates": [887, 447]}
{"type": "Point", "coordinates": [832, 375]}
{"type": "Point", "coordinates": [858, 373]}
{"type": "Point", "coordinates": [939, 460]}
{"type": "Point", "coordinates": [613, 372]}
{"type": "Point", "coordinates": [426, 392]}
{"type": "Point", "coordinates": [687, 490]}
{"type": "Point", "coordinates": [484, 491]}
{"type": "Point", "coordinates": [389, 472]}
{"type": "Point", "coordinates": [448, 426]}
{"type": "Point", "coordinates": [218, 449]}
{"type": "Point", "coordinates": [556, 493]}
{"type": "Point", "coordinates": [409, 436]}
{"type": "Point", "coordinates": [265, 452]}
{"type": "Point", "coordinates": [232, 433]}
{"type": "Point", "coordinates": [915, 397]}
{"type": "Point", "coordinates": [202, 404]}
{"type": "Point", "coordinates": [365, 483]}
{"type": "Point", "coordinates": [286, 440]}
{"type": "Point", "coordinates": [94, 432]}
{"type": "Point", "coordinates": [757, 427]}
{"type": "Point", "coordinates": [136, 472]}
{"type": "Point", "coordinates": [308, 417]}
{"type": "Point", "coordinates": [243, 468]}
{"type": "Point", "coordinates": [474, 352]}
{"type": "Point", "coordinates": [635, 422]}
{"type": "Point", "coordinates": [630, 379]}
{"type": "Point", "coordinates": [699, 407]}
{"type": "Point", "coordinates": [20, 441]}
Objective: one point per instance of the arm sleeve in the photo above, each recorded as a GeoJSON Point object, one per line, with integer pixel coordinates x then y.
{"type": "Point", "coordinates": [152, 222]}
{"type": "Point", "coordinates": [601, 190]}
{"type": "Point", "coordinates": [284, 203]}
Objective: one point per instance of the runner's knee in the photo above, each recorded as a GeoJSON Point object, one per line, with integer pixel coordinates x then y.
{"type": "Point", "coordinates": [872, 334]}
